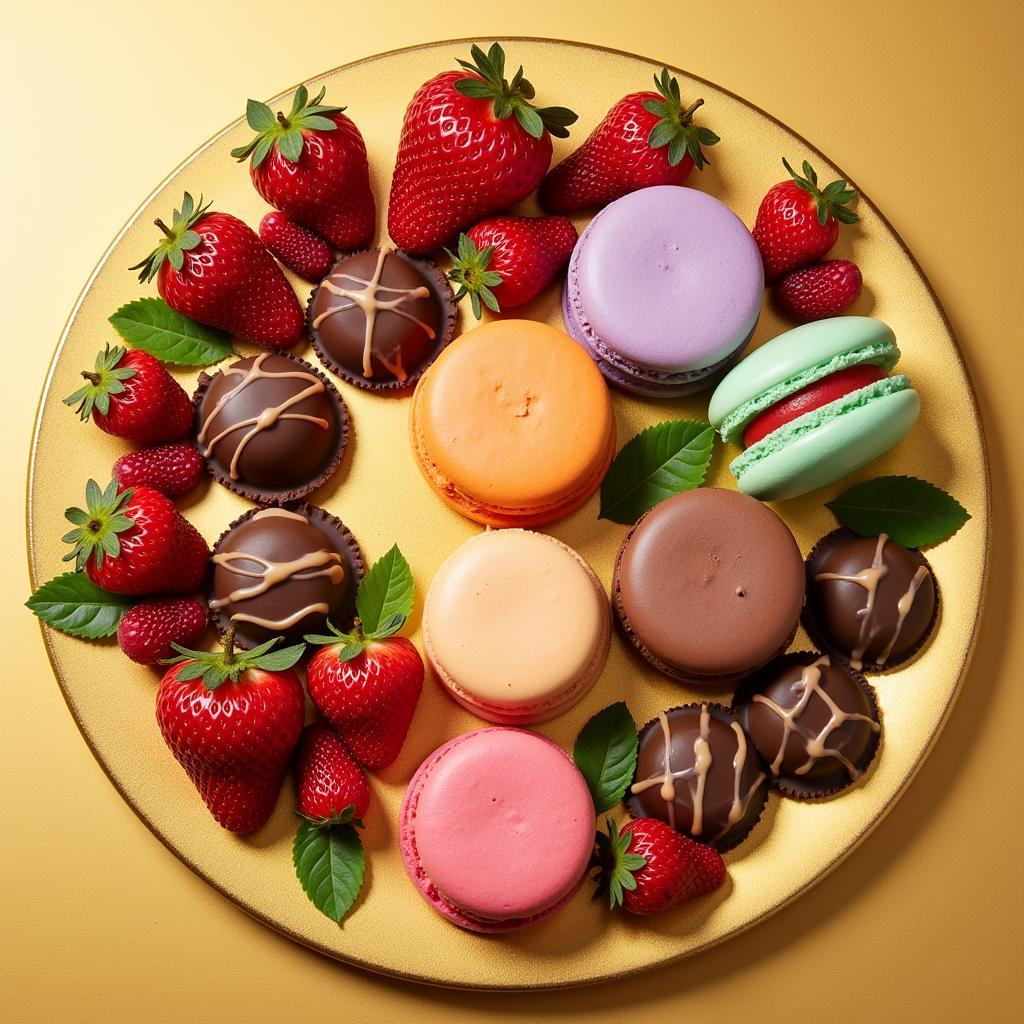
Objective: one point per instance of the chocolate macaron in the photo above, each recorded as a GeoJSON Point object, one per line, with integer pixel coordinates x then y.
{"type": "Point", "coordinates": [380, 318]}
{"type": "Point", "coordinates": [708, 586]}
{"type": "Point", "coordinates": [270, 427]}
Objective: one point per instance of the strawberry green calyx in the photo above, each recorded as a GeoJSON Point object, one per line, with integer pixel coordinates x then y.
{"type": "Point", "coordinates": [285, 130]}
{"type": "Point", "coordinates": [488, 82]}
{"type": "Point", "coordinates": [105, 379]}
{"type": "Point", "coordinates": [217, 667]}
{"type": "Point", "coordinates": [351, 645]}
{"type": "Point", "coordinates": [177, 240]}
{"type": "Point", "coordinates": [346, 816]}
{"type": "Point", "coordinates": [675, 128]}
{"type": "Point", "coordinates": [616, 865]}
{"type": "Point", "coordinates": [831, 199]}
{"type": "Point", "coordinates": [469, 271]}
{"type": "Point", "coordinates": [97, 525]}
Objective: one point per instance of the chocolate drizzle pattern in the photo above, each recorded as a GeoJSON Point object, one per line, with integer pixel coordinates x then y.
{"type": "Point", "coordinates": [368, 299]}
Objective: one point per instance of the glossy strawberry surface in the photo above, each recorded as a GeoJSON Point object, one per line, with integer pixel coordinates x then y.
{"type": "Point", "coordinates": [820, 290]}
{"type": "Point", "coordinates": [147, 630]}
{"type": "Point", "coordinates": [171, 469]}
{"type": "Point", "coordinates": [328, 780]}
{"type": "Point", "coordinates": [297, 247]}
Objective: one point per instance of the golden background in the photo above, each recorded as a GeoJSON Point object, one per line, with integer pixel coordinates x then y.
{"type": "Point", "coordinates": [107, 919]}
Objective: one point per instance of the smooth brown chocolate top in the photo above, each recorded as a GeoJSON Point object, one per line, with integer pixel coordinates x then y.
{"type": "Point", "coordinates": [710, 582]}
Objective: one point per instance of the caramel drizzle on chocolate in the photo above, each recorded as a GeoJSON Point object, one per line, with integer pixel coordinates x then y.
{"type": "Point", "coordinates": [271, 573]}
{"type": "Point", "coordinates": [366, 298]}
{"type": "Point", "coordinates": [270, 415]}
{"type": "Point", "coordinates": [700, 770]}
{"type": "Point", "coordinates": [869, 579]}
{"type": "Point", "coordinates": [815, 746]}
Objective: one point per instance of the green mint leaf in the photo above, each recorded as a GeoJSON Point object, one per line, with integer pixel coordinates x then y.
{"type": "Point", "coordinates": [389, 627]}
{"type": "Point", "coordinates": [74, 604]}
{"type": "Point", "coordinates": [330, 865]}
{"type": "Point", "coordinates": [605, 753]}
{"type": "Point", "coordinates": [912, 512]}
{"type": "Point", "coordinates": [386, 590]}
{"type": "Point", "coordinates": [151, 325]}
{"type": "Point", "coordinates": [656, 464]}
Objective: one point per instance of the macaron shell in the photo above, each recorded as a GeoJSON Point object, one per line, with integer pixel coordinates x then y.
{"type": "Point", "coordinates": [497, 829]}
{"type": "Point", "coordinates": [823, 446]}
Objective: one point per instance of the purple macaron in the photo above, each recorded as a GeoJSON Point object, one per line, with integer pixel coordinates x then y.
{"type": "Point", "coordinates": [664, 290]}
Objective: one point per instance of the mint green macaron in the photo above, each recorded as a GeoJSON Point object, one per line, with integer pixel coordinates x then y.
{"type": "Point", "coordinates": [826, 443]}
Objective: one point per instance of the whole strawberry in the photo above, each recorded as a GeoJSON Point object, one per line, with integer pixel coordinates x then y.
{"type": "Point", "coordinates": [819, 290]}
{"type": "Point", "coordinates": [213, 268]}
{"type": "Point", "coordinates": [797, 222]}
{"type": "Point", "coordinates": [171, 469]}
{"type": "Point", "coordinates": [331, 787]}
{"type": "Point", "coordinates": [366, 683]}
{"type": "Point", "coordinates": [130, 394]}
{"type": "Point", "coordinates": [507, 261]}
{"type": "Point", "coordinates": [298, 248]}
{"type": "Point", "coordinates": [311, 164]}
{"type": "Point", "coordinates": [471, 145]}
{"type": "Point", "coordinates": [648, 867]}
{"type": "Point", "coordinates": [647, 138]}
{"type": "Point", "coordinates": [232, 721]}
{"type": "Point", "coordinates": [134, 541]}
{"type": "Point", "coordinates": [147, 630]}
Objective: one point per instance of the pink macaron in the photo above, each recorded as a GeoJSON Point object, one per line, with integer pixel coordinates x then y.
{"type": "Point", "coordinates": [497, 829]}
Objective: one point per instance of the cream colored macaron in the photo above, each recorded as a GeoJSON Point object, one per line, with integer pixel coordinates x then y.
{"type": "Point", "coordinates": [516, 626]}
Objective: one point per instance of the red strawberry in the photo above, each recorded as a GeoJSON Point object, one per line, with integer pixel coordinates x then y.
{"type": "Point", "coordinates": [134, 541]}
{"type": "Point", "coordinates": [129, 394]}
{"type": "Point", "coordinates": [515, 256]}
{"type": "Point", "coordinates": [819, 290]}
{"type": "Point", "coordinates": [647, 138]}
{"type": "Point", "coordinates": [797, 223]}
{"type": "Point", "coordinates": [332, 789]}
{"type": "Point", "coordinates": [298, 248]}
{"type": "Point", "coordinates": [648, 866]}
{"type": "Point", "coordinates": [146, 632]}
{"type": "Point", "coordinates": [232, 721]}
{"type": "Point", "coordinates": [171, 469]}
{"type": "Point", "coordinates": [213, 268]}
{"type": "Point", "coordinates": [311, 165]}
{"type": "Point", "coordinates": [470, 146]}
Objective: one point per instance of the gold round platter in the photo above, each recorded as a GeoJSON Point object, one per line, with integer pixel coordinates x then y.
{"type": "Point", "coordinates": [381, 496]}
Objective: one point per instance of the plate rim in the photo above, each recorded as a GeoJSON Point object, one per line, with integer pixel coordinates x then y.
{"type": "Point", "coordinates": [355, 961]}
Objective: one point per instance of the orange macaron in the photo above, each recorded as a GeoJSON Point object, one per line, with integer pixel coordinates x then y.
{"type": "Point", "coordinates": [513, 424]}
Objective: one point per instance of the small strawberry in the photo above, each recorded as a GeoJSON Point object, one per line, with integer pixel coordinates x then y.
{"type": "Point", "coordinates": [171, 469]}
{"type": "Point", "coordinates": [213, 268]}
{"type": "Point", "coordinates": [647, 138]}
{"type": "Point", "coordinates": [331, 787]}
{"type": "Point", "coordinates": [471, 145]}
{"type": "Point", "coordinates": [311, 165]}
{"type": "Point", "coordinates": [298, 248]}
{"type": "Point", "coordinates": [797, 223]}
{"type": "Point", "coordinates": [648, 867]}
{"type": "Point", "coordinates": [232, 721]}
{"type": "Point", "coordinates": [517, 257]}
{"type": "Point", "coordinates": [147, 630]}
{"type": "Point", "coordinates": [819, 290]}
{"type": "Point", "coordinates": [366, 683]}
{"type": "Point", "coordinates": [130, 394]}
{"type": "Point", "coordinates": [134, 541]}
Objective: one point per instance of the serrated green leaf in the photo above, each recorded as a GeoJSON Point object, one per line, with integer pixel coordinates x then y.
{"type": "Point", "coordinates": [605, 753]}
{"type": "Point", "coordinates": [330, 866]}
{"type": "Point", "coordinates": [151, 325]}
{"type": "Point", "coordinates": [911, 511]}
{"type": "Point", "coordinates": [386, 590]}
{"type": "Point", "coordinates": [72, 603]}
{"type": "Point", "coordinates": [656, 464]}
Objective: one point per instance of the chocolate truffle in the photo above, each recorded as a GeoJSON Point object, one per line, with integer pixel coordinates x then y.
{"type": "Point", "coordinates": [870, 601]}
{"type": "Point", "coordinates": [284, 572]}
{"type": "Point", "coordinates": [708, 586]}
{"type": "Point", "coordinates": [697, 770]}
{"type": "Point", "coordinates": [380, 318]}
{"type": "Point", "coordinates": [270, 427]}
{"type": "Point", "coordinates": [815, 724]}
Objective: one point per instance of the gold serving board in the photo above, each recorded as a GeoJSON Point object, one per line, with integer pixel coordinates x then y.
{"type": "Point", "coordinates": [381, 496]}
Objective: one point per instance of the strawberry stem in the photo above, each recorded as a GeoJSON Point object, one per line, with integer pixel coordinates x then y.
{"type": "Point", "coordinates": [357, 630]}
{"type": "Point", "coordinates": [92, 378]}
{"type": "Point", "coordinates": [282, 120]}
{"type": "Point", "coordinates": [688, 112]}
{"type": "Point", "coordinates": [229, 646]}
{"type": "Point", "coordinates": [164, 228]}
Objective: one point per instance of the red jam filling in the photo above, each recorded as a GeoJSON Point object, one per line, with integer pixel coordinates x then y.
{"type": "Point", "coordinates": [814, 396]}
